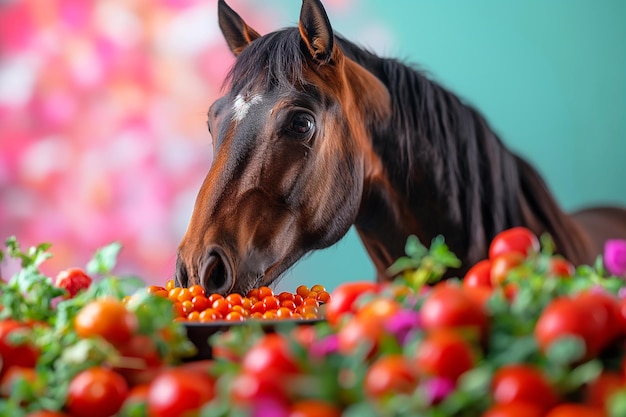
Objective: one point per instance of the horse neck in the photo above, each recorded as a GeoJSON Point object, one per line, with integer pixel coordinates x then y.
{"type": "Point", "coordinates": [456, 177]}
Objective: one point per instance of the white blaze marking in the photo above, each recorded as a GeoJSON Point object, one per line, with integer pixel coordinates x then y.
{"type": "Point", "coordinates": [242, 105]}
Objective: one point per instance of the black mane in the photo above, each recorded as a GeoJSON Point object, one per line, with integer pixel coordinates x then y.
{"type": "Point", "coordinates": [449, 148]}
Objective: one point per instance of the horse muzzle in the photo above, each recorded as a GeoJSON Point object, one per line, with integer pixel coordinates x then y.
{"type": "Point", "coordinates": [214, 272]}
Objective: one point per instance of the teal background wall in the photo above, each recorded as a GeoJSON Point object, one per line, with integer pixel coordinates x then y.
{"type": "Point", "coordinates": [550, 76]}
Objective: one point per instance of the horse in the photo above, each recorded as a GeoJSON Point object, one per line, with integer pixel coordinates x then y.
{"type": "Point", "coordinates": [315, 134]}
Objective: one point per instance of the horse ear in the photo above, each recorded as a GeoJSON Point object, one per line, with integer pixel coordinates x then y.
{"type": "Point", "coordinates": [237, 33]}
{"type": "Point", "coordinates": [316, 31]}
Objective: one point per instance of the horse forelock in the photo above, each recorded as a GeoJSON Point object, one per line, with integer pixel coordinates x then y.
{"type": "Point", "coordinates": [275, 60]}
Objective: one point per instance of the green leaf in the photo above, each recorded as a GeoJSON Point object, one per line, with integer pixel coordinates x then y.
{"type": "Point", "coordinates": [617, 404]}
{"type": "Point", "coordinates": [414, 247]}
{"type": "Point", "coordinates": [104, 259]}
{"type": "Point", "coordinates": [566, 350]}
{"type": "Point", "coordinates": [361, 409]}
{"type": "Point", "coordinates": [476, 381]}
{"type": "Point", "coordinates": [35, 255]}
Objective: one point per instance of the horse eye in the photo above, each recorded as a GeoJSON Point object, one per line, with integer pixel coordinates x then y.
{"type": "Point", "coordinates": [301, 123]}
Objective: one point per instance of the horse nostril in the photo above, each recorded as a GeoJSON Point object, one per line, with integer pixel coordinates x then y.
{"type": "Point", "coordinates": [181, 278]}
{"type": "Point", "coordinates": [216, 276]}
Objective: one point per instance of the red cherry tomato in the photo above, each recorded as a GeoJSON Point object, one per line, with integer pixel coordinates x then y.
{"type": "Point", "coordinates": [344, 296]}
{"type": "Point", "coordinates": [22, 355]}
{"type": "Point", "coordinates": [513, 410]}
{"type": "Point", "coordinates": [73, 280]}
{"type": "Point", "coordinates": [314, 408]}
{"type": "Point", "coordinates": [107, 318]}
{"type": "Point", "coordinates": [449, 306]}
{"type": "Point", "coordinates": [389, 374]}
{"type": "Point", "coordinates": [379, 309]}
{"type": "Point", "coordinates": [357, 332]}
{"type": "Point", "coordinates": [566, 316]}
{"type": "Point", "coordinates": [144, 348]}
{"type": "Point", "coordinates": [96, 392]}
{"type": "Point", "coordinates": [502, 265]}
{"type": "Point", "coordinates": [249, 388]}
{"type": "Point", "coordinates": [270, 355]}
{"type": "Point", "coordinates": [175, 392]}
{"type": "Point", "coordinates": [605, 310]}
{"type": "Point", "coordinates": [575, 410]}
{"type": "Point", "coordinates": [517, 239]}
{"type": "Point", "coordinates": [444, 353]}
{"type": "Point", "coordinates": [479, 275]}
{"type": "Point", "coordinates": [561, 267]}
{"type": "Point", "coordinates": [525, 384]}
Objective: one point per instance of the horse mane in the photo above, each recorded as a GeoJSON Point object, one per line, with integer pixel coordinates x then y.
{"type": "Point", "coordinates": [485, 187]}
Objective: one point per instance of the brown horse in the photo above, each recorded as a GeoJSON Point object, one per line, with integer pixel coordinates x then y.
{"type": "Point", "coordinates": [316, 134]}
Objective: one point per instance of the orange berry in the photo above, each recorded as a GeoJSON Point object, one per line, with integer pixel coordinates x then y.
{"type": "Point", "coordinates": [234, 316]}
{"type": "Point", "coordinates": [310, 316]}
{"type": "Point", "coordinates": [258, 307]}
{"type": "Point", "coordinates": [271, 303]}
{"type": "Point", "coordinates": [246, 303]}
{"type": "Point", "coordinates": [285, 296]}
{"type": "Point", "coordinates": [170, 284]}
{"type": "Point", "coordinates": [269, 315]}
{"type": "Point", "coordinates": [178, 310]}
{"type": "Point", "coordinates": [200, 303]}
{"type": "Point", "coordinates": [193, 316]}
{"type": "Point", "coordinates": [307, 309]}
{"type": "Point", "coordinates": [173, 293]}
{"type": "Point", "coordinates": [197, 290]}
{"type": "Point", "coordinates": [302, 291]}
{"type": "Point", "coordinates": [323, 297]}
{"type": "Point", "coordinates": [209, 315]}
{"type": "Point", "coordinates": [310, 302]}
{"type": "Point", "coordinates": [222, 306]}
{"type": "Point", "coordinates": [318, 288]}
{"type": "Point", "coordinates": [187, 307]}
{"type": "Point", "coordinates": [235, 299]}
{"type": "Point", "coordinates": [185, 295]}
{"type": "Point", "coordinates": [239, 309]}
{"type": "Point", "coordinates": [213, 297]}
{"type": "Point", "coordinates": [283, 313]}
{"type": "Point", "coordinates": [265, 292]}
{"type": "Point", "coordinates": [288, 304]}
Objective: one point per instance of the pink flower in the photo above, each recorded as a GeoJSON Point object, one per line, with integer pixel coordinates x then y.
{"type": "Point", "coordinates": [324, 347]}
{"type": "Point", "coordinates": [437, 389]}
{"type": "Point", "coordinates": [403, 324]}
{"type": "Point", "coordinates": [615, 256]}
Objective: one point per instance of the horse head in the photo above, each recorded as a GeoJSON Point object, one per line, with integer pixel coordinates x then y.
{"type": "Point", "coordinates": [291, 154]}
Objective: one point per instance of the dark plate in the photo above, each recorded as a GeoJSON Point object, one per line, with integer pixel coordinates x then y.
{"type": "Point", "coordinates": [199, 333]}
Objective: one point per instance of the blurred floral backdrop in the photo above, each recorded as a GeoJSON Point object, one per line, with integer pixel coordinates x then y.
{"type": "Point", "coordinates": [102, 122]}
{"type": "Point", "coordinates": [103, 108]}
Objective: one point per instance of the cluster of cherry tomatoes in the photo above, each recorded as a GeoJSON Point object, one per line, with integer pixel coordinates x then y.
{"type": "Point", "coordinates": [523, 334]}
{"type": "Point", "coordinates": [194, 305]}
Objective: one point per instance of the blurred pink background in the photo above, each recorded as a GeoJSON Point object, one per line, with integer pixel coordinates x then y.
{"type": "Point", "coordinates": [103, 122]}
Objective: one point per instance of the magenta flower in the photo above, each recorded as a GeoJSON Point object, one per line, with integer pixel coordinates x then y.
{"type": "Point", "coordinates": [615, 257]}
{"type": "Point", "coordinates": [437, 389]}
{"type": "Point", "coordinates": [270, 407]}
{"type": "Point", "coordinates": [402, 324]}
{"type": "Point", "coordinates": [324, 347]}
